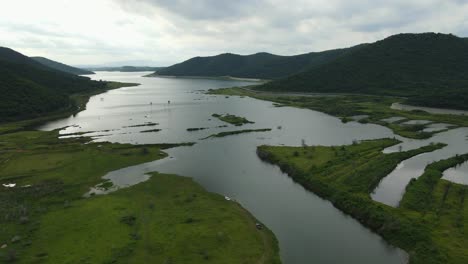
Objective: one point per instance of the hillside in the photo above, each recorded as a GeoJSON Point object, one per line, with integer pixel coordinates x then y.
{"type": "Point", "coordinates": [61, 67]}
{"type": "Point", "coordinates": [431, 69]}
{"type": "Point", "coordinates": [258, 66]}
{"type": "Point", "coordinates": [30, 89]}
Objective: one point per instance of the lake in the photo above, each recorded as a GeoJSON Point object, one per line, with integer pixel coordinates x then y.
{"type": "Point", "coordinates": [309, 229]}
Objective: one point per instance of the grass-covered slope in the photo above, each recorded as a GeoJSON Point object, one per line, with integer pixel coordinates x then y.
{"type": "Point", "coordinates": [30, 89]}
{"type": "Point", "coordinates": [429, 68]}
{"type": "Point", "coordinates": [61, 67]}
{"type": "Point", "coordinates": [430, 225]}
{"type": "Point", "coordinates": [168, 219]}
{"type": "Point", "coordinates": [258, 66]}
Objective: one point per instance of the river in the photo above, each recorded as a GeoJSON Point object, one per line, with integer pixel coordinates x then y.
{"type": "Point", "coordinates": [309, 229]}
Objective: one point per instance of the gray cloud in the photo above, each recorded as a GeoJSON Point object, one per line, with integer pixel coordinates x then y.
{"type": "Point", "coordinates": [200, 9]}
{"type": "Point", "coordinates": [169, 31]}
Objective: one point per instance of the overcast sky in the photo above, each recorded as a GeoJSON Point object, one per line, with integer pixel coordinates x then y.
{"type": "Point", "coordinates": [82, 32]}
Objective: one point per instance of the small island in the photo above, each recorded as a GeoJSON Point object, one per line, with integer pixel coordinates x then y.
{"type": "Point", "coordinates": [236, 132]}
{"type": "Point", "coordinates": [233, 119]}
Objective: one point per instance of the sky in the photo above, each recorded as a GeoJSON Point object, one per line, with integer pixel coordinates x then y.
{"type": "Point", "coordinates": [164, 32]}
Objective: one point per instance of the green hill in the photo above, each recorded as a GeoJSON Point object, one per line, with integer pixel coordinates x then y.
{"type": "Point", "coordinates": [61, 67]}
{"type": "Point", "coordinates": [30, 89]}
{"type": "Point", "coordinates": [258, 66]}
{"type": "Point", "coordinates": [430, 69]}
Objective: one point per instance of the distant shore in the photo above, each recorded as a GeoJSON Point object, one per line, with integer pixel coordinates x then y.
{"type": "Point", "coordinates": [230, 78]}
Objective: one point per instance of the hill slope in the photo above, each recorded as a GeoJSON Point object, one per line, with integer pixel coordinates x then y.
{"type": "Point", "coordinates": [30, 89]}
{"type": "Point", "coordinates": [61, 67]}
{"type": "Point", "coordinates": [431, 69]}
{"type": "Point", "coordinates": [259, 65]}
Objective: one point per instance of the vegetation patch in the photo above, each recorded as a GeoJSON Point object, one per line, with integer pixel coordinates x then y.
{"type": "Point", "coordinates": [154, 221]}
{"type": "Point", "coordinates": [150, 130]}
{"type": "Point", "coordinates": [229, 133]}
{"type": "Point", "coordinates": [144, 125]}
{"type": "Point", "coordinates": [196, 129]}
{"type": "Point", "coordinates": [233, 119]}
{"type": "Point", "coordinates": [429, 225]}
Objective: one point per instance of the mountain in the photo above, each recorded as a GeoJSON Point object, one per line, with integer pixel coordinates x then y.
{"type": "Point", "coordinates": [61, 67]}
{"type": "Point", "coordinates": [30, 89]}
{"type": "Point", "coordinates": [431, 69]}
{"type": "Point", "coordinates": [258, 66]}
{"type": "Point", "coordinates": [118, 64]}
{"type": "Point", "coordinates": [126, 68]}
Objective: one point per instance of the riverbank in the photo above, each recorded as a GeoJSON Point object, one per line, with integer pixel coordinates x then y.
{"type": "Point", "coordinates": [375, 109]}
{"type": "Point", "coordinates": [346, 175]}
{"type": "Point", "coordinates": [45, 218]}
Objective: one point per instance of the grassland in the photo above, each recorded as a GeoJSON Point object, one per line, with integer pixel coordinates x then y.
{"type": "Point", "coordinates": [233, 119]}
{"type": "Point", "coordinates": [430, 223]}
{"type": "Point", "coordinates": [168, 219]}
{"type": "Point", "coordinates": [347, 106]}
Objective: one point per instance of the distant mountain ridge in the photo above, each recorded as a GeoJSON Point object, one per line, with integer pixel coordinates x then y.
{"type": "Point", "coordinates": [431, 69]}
{"type": "Point", "coordinates": [258, 66]}
{"type": "Point", "coordinates": [30, 89]}
{"type": "Point", "coordinates": [126, 68]}
{"type": "Point", "coordinates": [61, 67]}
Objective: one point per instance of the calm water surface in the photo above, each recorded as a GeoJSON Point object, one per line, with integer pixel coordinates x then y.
{"type": "Point", "coordinates": [432, 110]}
{"type": "Point", "coordinates": [392, 187]}
{"type": "Point", "coordinates": [458, 174]}
{"type": "Point", "coordinates": [309, 229]}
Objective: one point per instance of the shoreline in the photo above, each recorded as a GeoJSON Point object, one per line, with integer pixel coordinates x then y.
{"type": "Point", "coordinates": [231, 78]}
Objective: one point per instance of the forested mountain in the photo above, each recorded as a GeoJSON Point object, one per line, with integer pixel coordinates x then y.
{"type": "Point", "coordinates": [29, 88]}
{"type": "Point", "coordinates": [60, 66]}
{"type": "Point", "coordinates": [258, 66]}
{"type": "Point", "coordinates": [431, 69]}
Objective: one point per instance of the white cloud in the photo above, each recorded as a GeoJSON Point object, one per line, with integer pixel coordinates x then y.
{"type": "Point", "coordinates": [168, 31]}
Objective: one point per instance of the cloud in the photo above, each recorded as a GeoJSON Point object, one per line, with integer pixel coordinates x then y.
{"type": "Point", "coordinates": [169, 31]}
{"type": "Point", "coordinates": [198, 10]}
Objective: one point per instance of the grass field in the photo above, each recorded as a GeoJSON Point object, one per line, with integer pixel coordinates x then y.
{"type": "Point", "coordinates": [167, 219]}
{"type": "Point", "coordinates": [430, 223]}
